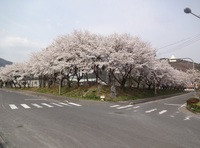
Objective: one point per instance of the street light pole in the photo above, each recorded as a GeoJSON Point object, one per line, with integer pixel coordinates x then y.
{"type": "Point", "coordinates": [193, 68]}
{"type": "Point", "coordinates": [188, 10]}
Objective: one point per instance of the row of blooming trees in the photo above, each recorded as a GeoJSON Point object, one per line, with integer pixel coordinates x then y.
{"type": "Point", "coordinates": [124, 59]}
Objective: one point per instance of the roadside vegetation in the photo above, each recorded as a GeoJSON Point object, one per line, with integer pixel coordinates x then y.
{"type": "Point", "coordinates": [99, 92]}
{"type": "Point", "coordinates": [126, 67]}
{"type": "Point", "coordinates": [193, 104]}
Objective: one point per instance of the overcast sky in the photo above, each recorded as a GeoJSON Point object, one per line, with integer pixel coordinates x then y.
{"type": "Point", "coordinates": [27, 26]}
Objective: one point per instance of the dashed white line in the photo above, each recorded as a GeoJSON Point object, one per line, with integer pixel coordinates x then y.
{"type": "Point", "coordinates": [25, 106]}
{"type": "Point", "coordinates": [162, 112]}
{"type": "Point", "coordinates": [12, 106]}
{"type": "Point", "coordinates": [122, 107]}
{"type": "Point", "coordinates": [36, 105]}
{"type": "Point", "coordinates": [45, 104]}
{"type": "Point", "coordinates": [152, 110]}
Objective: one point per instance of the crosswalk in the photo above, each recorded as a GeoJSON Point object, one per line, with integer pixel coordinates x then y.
{"type": "Point", "coordinates": [153, 110]}
{"type": "Point", "coordinates": [43, 105]}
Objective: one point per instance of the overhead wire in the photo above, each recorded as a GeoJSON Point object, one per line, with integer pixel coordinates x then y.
{"type": "Point", "coordinates": [180, 44]}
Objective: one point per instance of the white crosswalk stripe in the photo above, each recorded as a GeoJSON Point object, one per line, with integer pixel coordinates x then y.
{"type": "Point", "coordinates": [36, 105]}
{"type": "Point", "coordinates": [45, 104]}
{"type": "Point", "coordinates": [42, 105]}
{"type": "Point", "coordinates": [12, 106]}
{"type": "Point", "coordinates": [71, 103]}
{"type": "Point", "coordinates": [75, 104]}
{"type": "Point", "coordinates": [56, 104]}
{"type": "Point", "coordinates": [25, 106]}
{"type": "Point", "coordinates": [64, 104]}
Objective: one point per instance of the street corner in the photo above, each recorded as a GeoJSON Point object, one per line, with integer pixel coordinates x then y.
{"type": "Point", "coordinates": [185, 111]}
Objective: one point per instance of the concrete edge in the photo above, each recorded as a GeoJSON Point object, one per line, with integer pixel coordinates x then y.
{"type": "Point", "coordinates": [184, 110]}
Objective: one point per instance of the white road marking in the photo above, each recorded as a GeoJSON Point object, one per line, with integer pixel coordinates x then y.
{"type": "Point", "coordinates": [12, 106]}
{"type": "Point", "coordinates": [187, 118]}
{"type": "Point", "coordinates": [25, 106]}
{"type": "Point", "coordinates": [122, 107]}
{"type": "Point", "coordinates": [36, 105]}
{"type": "Point", "coordinates": [152, 110]}
{"type": "Point", "coordinates": [71, 103]}
{"type": "Point", "coordinates": [64, 104]}
{"type": "Point", "coordinates": [45, 104]}
{"type": "Point", "coordinates": [162, 112]}
{"type": "Point", "coordinates": [114, 106]}
{"type": "Point", "coordinates": [136, 107]}
{"type": "Point", "coordinates": [56, 104]}
{"type": "Point", "coordinates": [172, 104]}
{"type": "Point", "coordinates": [172, 116]}
{"type": "Point", "coordinates": [75, 104]}
{"type": "Point", "coordinates": [183, 105]}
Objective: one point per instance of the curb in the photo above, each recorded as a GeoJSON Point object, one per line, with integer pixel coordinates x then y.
{"type": "Point", "coordinates": [49, 96]}
{"type": "Point", "coordinates": [152, 98]}
{"type": "Point", "coordinates": [184, 110]}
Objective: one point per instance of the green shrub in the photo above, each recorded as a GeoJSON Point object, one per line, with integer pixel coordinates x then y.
{"type": "Point", "coordinates": [193, 104]}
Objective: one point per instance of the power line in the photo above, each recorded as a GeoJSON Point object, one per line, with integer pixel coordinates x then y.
{"type": "Point", "coordinates": [181, 44]}
{"type": "Point", "coordinates": [177, 42]}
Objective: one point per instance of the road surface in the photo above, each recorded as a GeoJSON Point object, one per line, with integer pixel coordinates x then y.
{"type": "Point", "coordinates": [31, 121]}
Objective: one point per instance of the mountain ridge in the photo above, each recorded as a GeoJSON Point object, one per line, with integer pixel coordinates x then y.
{"type": "Point", "coordinates": [4, 62]}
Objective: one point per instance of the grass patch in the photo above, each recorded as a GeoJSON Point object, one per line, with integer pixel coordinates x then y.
{"type": "Point", "coordinates": [194, 107]}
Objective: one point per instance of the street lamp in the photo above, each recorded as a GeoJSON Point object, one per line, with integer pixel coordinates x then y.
{"type": "Point", "coordinates": [173, 59]}
{"type": "Point", "coordinates": [188, 10]}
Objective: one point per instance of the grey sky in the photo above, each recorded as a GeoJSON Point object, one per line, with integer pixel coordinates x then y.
{"type": "Point", "coordinates": [27, 26]}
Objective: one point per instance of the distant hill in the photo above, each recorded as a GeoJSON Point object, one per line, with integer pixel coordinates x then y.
{"type": "Point", "coordinates": [184, 65]}
{"type": "Point", "coordinates": [4, 62]}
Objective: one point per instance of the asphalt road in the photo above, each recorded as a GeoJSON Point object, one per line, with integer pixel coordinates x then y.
{"type": "Point", "coordinates": [32, 121]}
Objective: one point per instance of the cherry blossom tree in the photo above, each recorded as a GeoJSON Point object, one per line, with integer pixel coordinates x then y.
{"type": "Point", "coordinates": [126, 59]}
{"type": "Point", "coordinates": [14, 74]}
{"type": "Point", "coordinates": [128, 55]}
